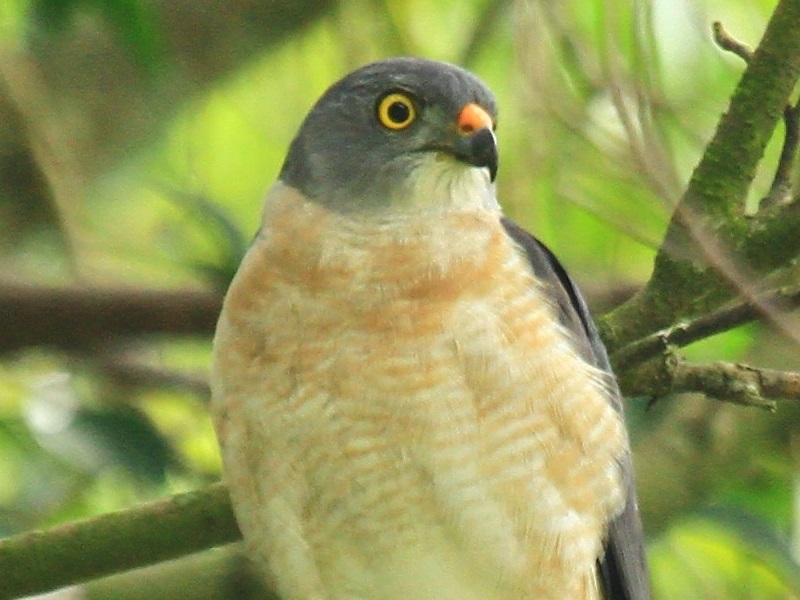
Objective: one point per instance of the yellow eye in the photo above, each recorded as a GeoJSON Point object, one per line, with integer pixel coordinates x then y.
{"type": "Point", "coordinates": [396, 111]}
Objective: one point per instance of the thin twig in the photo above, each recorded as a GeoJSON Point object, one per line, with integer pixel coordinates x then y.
{"type": "Point", "coordinates": [724, 381]}
{"type": "Point", "coordinates": [780, 192]}
{"type": "Point", "coordinates": [725, 41]}
{"type": "Point", "coordinates": [737, 383]}
{"type": "Point", "coordinates": [725, 319]}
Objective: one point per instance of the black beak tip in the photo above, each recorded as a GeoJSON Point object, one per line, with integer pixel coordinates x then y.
{"type": "Point", "coordinates": [493, 170]}
{"type": "Point", "coordinates": [480, 149]}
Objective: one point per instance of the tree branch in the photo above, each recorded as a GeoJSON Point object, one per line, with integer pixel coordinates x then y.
{"type": "Point", "coordinates": [727, 42]}
{"type": "Point", "coordinates": [728, 382]}
{"type": "Point", "coordinates": [708, 229]}
{"type": "Point", "coordinates": [737, 383]}
{"type": "Point", "coordinates": [780, 192]}
{"type": "Point", "coordinates": [130, 373]}
{"type": "Point", "coordinates": [39, 561]}
{"type": "Point", "coordinates": [78, 318]}
{"type": "Point", "coordinates": [725, 319]}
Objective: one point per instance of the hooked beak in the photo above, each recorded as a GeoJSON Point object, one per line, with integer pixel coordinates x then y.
{"type": "Point", "coordinates": [476, 143]}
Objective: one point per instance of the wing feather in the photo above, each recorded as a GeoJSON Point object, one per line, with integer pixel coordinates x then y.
{"type": "Point", "coordinates": [622, 569]}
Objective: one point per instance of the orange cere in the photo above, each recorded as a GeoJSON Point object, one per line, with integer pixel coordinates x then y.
{"type": "Point", "coordinates": [472, 118]}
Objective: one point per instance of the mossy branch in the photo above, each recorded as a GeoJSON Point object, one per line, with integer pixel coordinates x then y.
{"type": "Point", "coordinates": [728, 382]}
{"type": "Point", "coordinates": [39, 561]}
{"type": "Point", "coordinates": [703, 261]}
{"type": "Point", "coordinates": [767, 306]}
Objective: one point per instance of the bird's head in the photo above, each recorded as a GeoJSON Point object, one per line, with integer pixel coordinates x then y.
{"type": "Point", "coordinates": [395, 134]}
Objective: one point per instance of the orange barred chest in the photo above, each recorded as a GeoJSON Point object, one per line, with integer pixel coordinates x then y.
{"type": "Point", "coordinates": [415, 397]}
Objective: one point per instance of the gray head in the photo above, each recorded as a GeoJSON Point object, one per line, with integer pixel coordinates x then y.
{"type": "Point", "coordinates": [379, 131]}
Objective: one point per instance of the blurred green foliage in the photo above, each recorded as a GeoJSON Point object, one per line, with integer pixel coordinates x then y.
{"type": "Point", "coordinates": [605, 106]}
{"type": "Point", "coordinates": [133, 22]}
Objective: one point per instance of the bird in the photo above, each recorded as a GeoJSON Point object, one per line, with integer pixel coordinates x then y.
{"type": "Point", "coordinates": [410, 395]}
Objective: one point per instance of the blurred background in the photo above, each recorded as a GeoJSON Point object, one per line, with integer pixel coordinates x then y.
{"type": "Point", "coordinates": [137, 138]}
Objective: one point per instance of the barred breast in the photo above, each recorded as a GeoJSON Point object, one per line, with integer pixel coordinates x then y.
{"type": "Point", "coordinates": [402, 416]}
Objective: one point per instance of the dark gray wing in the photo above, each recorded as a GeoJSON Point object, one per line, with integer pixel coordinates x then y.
{"type": "Point", "coordinates": [622, 568]}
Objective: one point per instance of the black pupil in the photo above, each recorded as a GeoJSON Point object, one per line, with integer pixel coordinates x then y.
{"type": "Point", "coordinates": [398, 112]}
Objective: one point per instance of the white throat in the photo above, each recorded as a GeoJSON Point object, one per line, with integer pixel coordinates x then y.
{"type": "Point", "coordinates": [442, 183]}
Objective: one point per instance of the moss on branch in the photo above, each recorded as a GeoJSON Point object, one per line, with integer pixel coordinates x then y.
{"type": "Point", "coordinates": [704, 257]}
{"type": "Point", "coordinates": [38, 561]}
